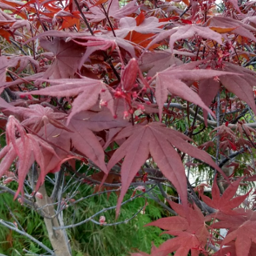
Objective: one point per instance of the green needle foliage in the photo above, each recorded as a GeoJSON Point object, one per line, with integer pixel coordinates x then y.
{"type": "Point", "coordinates": [88, 239]}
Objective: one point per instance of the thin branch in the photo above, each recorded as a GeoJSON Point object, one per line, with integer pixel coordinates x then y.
{"type": "Point", "coordinates": [84, 18]}
{"type": "Point", "coordinates": [59, 177]}
{"type": "Point", "coordinates": [14, 228]}
{"type": "Point", "coordinates": [5, 189]}
{"type": "Point", "coordinates": [196, 133]}
{"type": "Point", "coordinates": [29, 253]}
{"type": "Point", "coordinates": [109, 61]}
{"type": "Point", "coordinates": [223, 162]}
{"type": "Point", "coordinates": [119, 222]}
{"type": "Point", "coordinates": [109, 22]}
{"type": "Point", "coordinates": [252, 143]}
{"type": "Point", "coordinates": [19, 47]}
{"type": "Point", "coordinates": [156, 199]}
{"type": "Point", "coordinates": [195, 198]}
{"type": "Point", "coordinates": [218, 124]}
{"type": "Point", "coordinates": [201, 118]}
{"type": "Point", "coordinates": [13, 216]}
{"type": "Point", "coordinates": [95, 194]}
{"type": "Point", "coordinates": [101, 211]}
{"type": "Point", "coordinates": [242, 114]}
{"type": "Point", "coordinates": [190, 133]}
{"type": "Point", "coordinates": [185, 11]}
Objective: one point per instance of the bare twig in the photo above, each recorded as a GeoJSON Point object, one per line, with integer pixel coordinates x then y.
{"type": "Point", "coordinates": [109, 22]}
{"type": "Point", "coordinates": [101, 211]}
{"type": "Point", "coordinates": [119, 222]}
{"type": "Point", "coordinates": [14, 228]}
{"type": "Point", "coordinates": [84, 18]}
{"type": "Point", "coordinates": [224, 161]}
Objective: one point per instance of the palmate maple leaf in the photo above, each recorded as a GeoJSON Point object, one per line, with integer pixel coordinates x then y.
{"type": "Point", "coordinates": [241, 223]}
{"type": "Point", "coordinates": [242, 85]}
{"type": "Point", "coordinates": [64, 144]}
{"type": "Point", "coordinates": [84, 43]}
{"type": "Point", "coordinates": [79, 136]}
{"type": "Point", "coordinates": [75, 137]}
{"type": "Point", "coordinates": [149, 25]}
{"type": "Point", "coordinates": [102, 42]}
{"type": "Point", "coordinates": [67, 56]}
{"type": "Point", "coordinates": [244, 235]}
{"type": "Point", "coordinates": [99, 120]}
{"type": "Point", "coordinates": [225, 203]}
{"type": "Point", "coordinates": [94, 44]}
{"type": "Point", "coordinates": [190, 236]}
{"type": "Point", "coordinates": [21, 62]}
{"type": "Point", "coordinates": [113, 10]}
{"type": "Point", "coordinates": [171, 81]}
{"type": "Point", "coordinates": [159, 142]}
{"type": "Point", "coordinates": [240, 28]}
{"type": "Point", "coordinates": [242, 231]}
{"type": "Point", "coordinates": [28, 148]}
{"type": "Point", "coordinates": [230, 250]}
{"type": "Point", "coordinates": [156, 61]}
{"type": "Point", "coordinates": [87, 91]}
{"type": "Point", "coordinates": [36, 116]}
{"type": "Point", "coordinates": [184, 32]}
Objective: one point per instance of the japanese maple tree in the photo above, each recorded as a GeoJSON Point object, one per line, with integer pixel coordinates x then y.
{"type": "Point", "coordinates": [105, 84]}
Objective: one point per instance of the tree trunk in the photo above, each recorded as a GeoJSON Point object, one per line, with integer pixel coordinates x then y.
{"type": "Point", "coordinates": [58, 238]}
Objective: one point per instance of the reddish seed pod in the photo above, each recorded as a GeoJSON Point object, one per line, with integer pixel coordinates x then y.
{"type": "Point", "coordinates": [39, 195]}
{"type": "Point", "coordinates": [20, 201]}
{"type": "Point", "coordinates": [126, 114]}
{"type": "Point", "coordinates": [8, 180]}
{"type": "Point", "coordinates": [134, 95]}
{"type": "Point", "coordinates": [102, 220]}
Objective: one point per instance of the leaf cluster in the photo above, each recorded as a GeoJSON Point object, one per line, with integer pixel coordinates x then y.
{"type": "Point", "coordinates": [130, 91]}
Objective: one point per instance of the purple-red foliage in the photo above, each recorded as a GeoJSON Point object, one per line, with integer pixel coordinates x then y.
{"type": "Point", "coordinates": [88, 75]}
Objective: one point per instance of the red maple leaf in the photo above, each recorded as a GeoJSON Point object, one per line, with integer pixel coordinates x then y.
{"type": "Point", "coordinates": [159, 141]}
{"type": "Point", "coordinates": [148, 25]}
{"type": "Point", "coordinates": [36, 116]}
{"type": "Point", "coordinates": [20, 62]}
{"type": "Point", "coordinates": [230, 250]}
{"type": "Point", "coordinates": [244, 235]}
{"type": "Point", "coordinates": [113, 10]}
{"type": "Point", "coordinates": [190, 236]}
{"type": "Point", "coordinates": [67, 56]}
{"type": "Point", "coordinates": [87, 91]}
{"type": "Point", "coordinates": [79, 142]}
{"type": "Point", "coordinates": [98, 121]}
{"type": "Point", "coordinates": [225, 203]}
{"type": "Point", "coordinates": [241, 85]}
{"type": "Point", "coordinates": [171, 81]}
{"type": "Point", "coordinates": [237, 26]}
{"type": "Point", "coordinates": [241, 231]}
{"type": "Point", "coordinates": [186, 31]}
{"type": "Point", "coordinates": [71, 61]}
{"type": "Point", "coordinates": [157, 61]}
{"type": "Point", "coordinates": [28, 148]}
